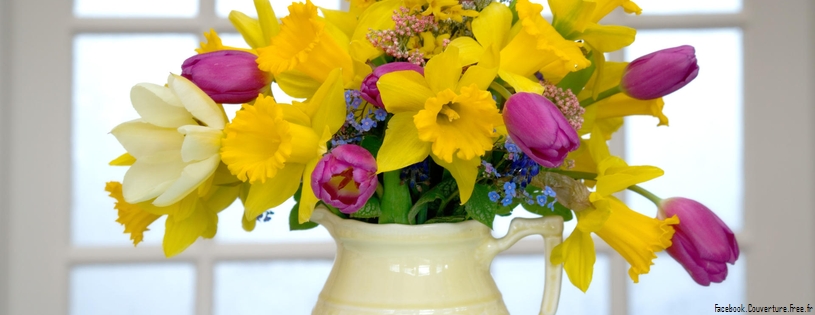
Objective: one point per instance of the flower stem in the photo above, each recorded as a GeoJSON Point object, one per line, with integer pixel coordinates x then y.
{"type": "Point", "coordinates": [645, 193]}
{"type": "Point", "coordinates": [500, 89]}
{"type": "Point", "coordinates": [573, 174]}
{"type": "Point", "coordinates": [603, 95]}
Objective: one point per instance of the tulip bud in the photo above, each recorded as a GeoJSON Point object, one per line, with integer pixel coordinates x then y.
{"type": "Point", "coordinates": [702, 242]}
{"type": "Point", "coordinates": [345, 178]}
{"type": "Point", "coordinates": [539, 129]}
{"type": "Point", "coordinates": [369, 90]}
{"type": "Point", "coordinates": [660, 73]}
{"type": "Point", "coordinates": [227, 76]}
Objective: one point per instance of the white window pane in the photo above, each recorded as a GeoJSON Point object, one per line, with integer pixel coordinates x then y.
{"type": "Point", "coordinates": [689, 6]}
{"type": "Point", "coordinates": [275, 230]}
{"type": "Point", "coordinates": [701, 151]}
{"type": "Point", "coordinates": [520, 279]}
{"type": "Point", "coordinates": [668, 289]}
{"type": "Point", "coordinates": [262, 288]}
{"type": "Point", "coordinates": [135, 8]}
{"type": "Point", "coordinates": [280, 7]}
{"type": "Point", "coordinates": [158, 289]}
{"type": "Point", "coordinates": [106, 66]}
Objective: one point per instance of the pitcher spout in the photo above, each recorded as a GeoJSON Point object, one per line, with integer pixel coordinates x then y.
{"type": "Point", "coordinates": [324, 217]}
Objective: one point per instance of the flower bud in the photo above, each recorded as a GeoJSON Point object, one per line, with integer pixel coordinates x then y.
{"type": "Point", "coordinates": [660, 73]}
{"type": "Point", "coordinates": [702, 242]}
{"type": "Point", "coordinates": [227, 76]}
{"type": "Point", "coordinates": [345, 178]}
{"type": "Point", "coordinates": [369, 90]}
{"type": "Point", "coordinates": [539, 129]}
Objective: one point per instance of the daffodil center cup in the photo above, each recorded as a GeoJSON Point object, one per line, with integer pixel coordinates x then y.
{"type": "Point", "coordinates": [448, 112]}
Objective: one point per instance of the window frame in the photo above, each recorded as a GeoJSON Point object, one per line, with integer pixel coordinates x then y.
{"type": "Point", "coordinates": [35, 166]}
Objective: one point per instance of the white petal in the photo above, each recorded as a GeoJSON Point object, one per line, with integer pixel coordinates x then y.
{"type": "Point", "coordinates": [159, 106]}
{"type": "Point", "coordinates": [191, 177]}
{"type": "Point", "coordinates": [197, 102]}
{"type": "Point", "coordinates": [199, 142]}
{"type": "Point", "coordinates": [150, 177]}
{"type": "Point", "coordinates": [140, 138]}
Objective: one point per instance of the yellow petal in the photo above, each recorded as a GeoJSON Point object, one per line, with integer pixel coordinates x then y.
{"type": "Point", "coordinates": [178, 235]}
{"type": "Point", "coordinates": [593, 219]}
{"type": "Point", "coordinates": [268, 20]}
{"type": "Point", "coordinates": [492, 25]}
{"type": "Point", "coordinates": [577, 255]}
{"type": "Point", "coordinates": [145, 180]}
{"type": "Point", "coordinates": [273, 192]}
{"type": "Point", "coordinates": [616, 176]}
{"type": "Point", "coordinates": [197, 102]}
{"type": "Point", "coordinates": [636, 237]}
{"type": "Point", "coordinates": [199, 142]}
{"type": "Point", "coordinates": [307, 197]}
{"type": "Point", "coordinates": [481, 74]}
{"type": "Point", "coordinates": [297, 84]}
{"type": "Point", "coordinates": [621, 105]}
{"type": "Point", "coordinates": [192, 176]}
{"type": "Point", "coordinates": [597, 145]}
{"type": "Point", "coordinates": [363, 50]}
{"type": "Point", "coordinates": [249, 28]}
{"type": "Point", "coordinates": [520, 83]}
{"type": "Point", "coordinates": [123, 160]}
{"type": "Point", "coordinates": [464, 172]}
{"type": "Point", "coordinates": [142, 139]}
{"type": "Point", "coordinates": [571, 16]}
{"type": "Point", "coordinates": [134, 219]}
{"type": "Point", "coordinates": [443, 71]}
{"type": "Point", "coordinates": [606, 38]}
{"type": "Point", "coordinates": [327, 106]}
{"type": "Point", "coordinates": [403, 91]}
{"type": "Point", "coordinates": [377, 17]}
{"type": "Point", "coordinates": [469, 50]}
{"type": "Point", "coordinates": [158, 105]}
{"type": "Point", "coordinates": [401, 146]}
{"type": "Point", "coordinates": [344, 21]}
{"type": "Point", "coordinates": [604, 7]}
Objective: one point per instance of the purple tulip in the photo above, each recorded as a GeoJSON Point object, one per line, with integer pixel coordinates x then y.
{"type": "Point", "coordinates": [539, 129]}
{"type": "Point", "coordinates": [660, 73]}
{"type": "Point", "coordinates": [702, 242]}
{"type": "Point", "coordinates": [345, 178]}
{"type": "Point", "coordinates": [227, 76]}
{"type": "Point", "coordinates": [369, 90]}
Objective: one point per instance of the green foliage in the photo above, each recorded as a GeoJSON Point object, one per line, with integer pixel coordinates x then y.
{"type": "Point", "coordinates": [544, 211]}
{"type": "Point", "coordinates": [371, 209]}
{"type": "Point", "coordinates": [397, 199]}
{"type": "Point", "coordinates": [575, 81]}
{"type": "Point", "coordinates": [480, 207]}
{"type": "Point", "coordinates": [372, 143]}
{"type": "Point", "coordinates": [294, 221]}
{"type": "Point", "coordinates": [448, 219]}
{"type": "Point", "coordinates": [444, 191]}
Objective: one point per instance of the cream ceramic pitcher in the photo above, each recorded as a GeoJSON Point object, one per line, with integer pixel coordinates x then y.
{"type": "Point", "coordinates": [431, 269]}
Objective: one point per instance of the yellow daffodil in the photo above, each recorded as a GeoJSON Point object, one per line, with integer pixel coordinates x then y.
{"type": "Point", "coordinates": [607, 114]}
{"type": "Point", "coordinates": [448, 10]}
{"type": "Point", "coordinates": [613, 175]}
{"type": "Point", "coordinates": [537, 46]}
{"type": "Point", "coordinates": [444, 114]}
{"type": "Point", "coordinates": [258, 32]}
{"type": "Point", "coordinates": [196, 215]}
{"type": "Point", "coordinates": [175, 143]}
{"type": "Point", "coordinates": [578, 20]}
{"type": "Point", "coordinates": [273, 146]}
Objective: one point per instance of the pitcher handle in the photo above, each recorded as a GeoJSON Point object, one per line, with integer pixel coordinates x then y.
{"type": "Point", "coordinates": [551, 228]}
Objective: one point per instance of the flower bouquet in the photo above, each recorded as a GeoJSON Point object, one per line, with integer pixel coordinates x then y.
{"type": "Point", "coordinates": [416, 112]}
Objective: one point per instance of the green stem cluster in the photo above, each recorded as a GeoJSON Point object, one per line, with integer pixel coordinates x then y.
{"type": "Point", "coordinates": [603, 95]}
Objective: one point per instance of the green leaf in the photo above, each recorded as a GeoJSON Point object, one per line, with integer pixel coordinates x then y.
{"type": "Point", "coordinates": [371, 209]}
{"type": "Point", "coordinates": [381, 60]}
{"type": "Point", "coordinates": [294, 221]}
{"type": "Point", "coordinates": [480, 207]}
{"type": "Point", "coordinates": [396, 199]}
{"type": "Point", "coordinates": [372, 143]}
{"type": "Point", "coordinates": [444, 191]}
{"type": "Point", "coordinates": [560, 210]}
{"type": "Point", "coordinates": [514, 11]}
{"type": "Point", "coordinates": [575, 81]}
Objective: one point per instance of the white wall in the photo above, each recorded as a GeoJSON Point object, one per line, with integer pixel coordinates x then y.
{"type": "Point", "coordinates": [4, 255]}
{"type": "Point", "coordinates": [779, 156]}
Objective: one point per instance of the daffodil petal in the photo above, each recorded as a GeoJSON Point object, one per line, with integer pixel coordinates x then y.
{"type": "Point", "coordinates": [626, 177]}
{"type": "Point", "coordinates": [403, 91]}
{"type": "Point", "coordinates": [482, 74]}
{"type": "Point", "coordinates": [268, 20]}
{"type": "Point", "coordinates": [345, 21]}
{"type": "Point", "coordinates": [597, 145]}
{"type": "Point", "coordinates": [190, 178]}
{"type": "Point", "coordinates": [606, 38]}
{"type": "Point", "coordinates": [376, 17]}
{"type": "Point", "coordinates": [133, 217]}
{"type": "Point", "coordinates": [520, 83]}
{"type": "Point", "coordinates": [123, 160]}
{"type": "Point", "coordinates": [469, 50]}
{"type": "Point", "coordinates": [593, 219]}
{"type": "Point", "coordinates": [571, 16]}
{"type": "Point", "coordinates": [297, 84]}
{"type": "Point", "coordinates": [621, 105]}
{"type": "Point", "coordinates": [159, 106]}
{"type": "Point", "coordinates": [443, 71]}
{"type": "Point", "coordinates": [145, 180]}
{"type": "Point", "coordinates": [464, 172]}
{"type": "Point", "coordinates": [221, 197]}
{"type": "Point", "coordinates": [307, 198]}
{"type": "Point", "coordinates": [327, 106]}
{"type": "Point", "coordinates": [178, 235]}
{"type": "Point", "coordinates": [492, 25]}
{"type": "Point", "coordinates": [577, 255]}
{"type": "Point", "coordinates": [141, 139]}
{"type": "Point", "coordinates": [249, 28]}
{"type": "Point", "coordinates": [274, 191]}
{"type": "Point", "coordinates": [401, 146]}
{"type": "Point", "coordinates": [197, 102]}
{"type": "Point", "coordinates": [199, 142]}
